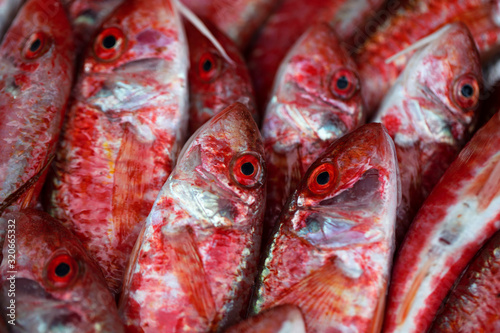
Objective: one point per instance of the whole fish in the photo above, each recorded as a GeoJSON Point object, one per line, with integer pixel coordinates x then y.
{"type": "Point", "coordinates": [36, 73]}
{"type": "Point", "coordinates": [238, 19]}
{"type": "Point", "coordinates": [412, 22]}
{"type": "Point", "coordinates": [57, 286]}
{"type": "Point", "coordinates": [284, 318]}
{"type": "Point", "coordinates": [214, 81]}
{"type": "Point", "coordinates": [8, 10]}
{"type": "Point", "coordinates": [474, 302]}
{"type": "Point", "coordinates": [195, 261]}
{"type": "Point", "coordinates": [288, 22]}
{"type": "Point", "coordinates": [123, 132]}
{"type": "Point", "coordinates": [315, 100]}
{"type": "Point", "coordinates": [429, 112]}
{"type": "Point", "coordinates": [332, 253]}
{"type": "Point", "coordinates": [460, 214]}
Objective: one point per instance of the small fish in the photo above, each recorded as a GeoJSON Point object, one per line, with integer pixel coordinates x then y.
{"type": "Point", "coordinates": [195, 261]}
{"type": "Point", "coordinates": [474, 302]}
{"type": "Point", "coordinates": [281, 319]}
{"type": "Point", "coordinates": [430, 111]}
{"type": "Point", "coordinates": [316, 99]}
{"type": "Point", "coordinates": [123, 132]}
{"type": "Point", "coordinates": [57, 286]}
{"type": "Point", "coordinates": [8, 10]}
{"type": "Point", "coordinates": [214, 82]}
{"type": "Point", "coordinates": [36, 73]}
{"type": "Point", "coordinates": [460, 214]}
{"type": "Point", "coordinates": [332, 253]}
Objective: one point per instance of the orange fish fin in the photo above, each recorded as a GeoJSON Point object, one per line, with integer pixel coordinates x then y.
{"type": "Point", "coordinates": [488, 185]}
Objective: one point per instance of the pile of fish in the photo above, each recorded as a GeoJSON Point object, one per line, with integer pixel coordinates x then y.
{"type": "Point", "coordinates": [250, 166]}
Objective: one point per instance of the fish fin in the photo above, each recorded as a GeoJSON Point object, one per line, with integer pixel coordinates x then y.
{"type": "Point", "coordinates": [419, 43]}
{"type": "Point", "coordinates": [378, 317]}
{"type": "Point", "coordinates": [487, 185]}
{"type": "Point", "coordinates": [191, 275]}
{"type": "Point", "coordinates": [191, 17]}
{"type": "Point", "coordinates": [26, 189]}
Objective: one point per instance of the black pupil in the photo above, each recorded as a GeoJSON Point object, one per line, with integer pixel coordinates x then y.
{"type": "Point", "coordinates": [109, 41]}
{"type": "Point", "coordinates": [342, 83]}
{"type": "Point", "coordinates": [467, 91]}
{"type": "Point", "coordinates": [62, 269]}
{"type": "Point", "coordinates": [35, 45]}
{"type": "Point", "coordinates": [207, 65]}
{"type": "Point", "coordinates": [323, 178]}
{"type": "Point", "coordinates": [247, 169]}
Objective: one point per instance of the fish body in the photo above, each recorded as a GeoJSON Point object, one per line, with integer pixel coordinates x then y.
{"type": "Point", "coordinates": [123, 132]}
{"type": "Point", "coordinates": [8, 10]}
{"type": "Point", "coordinates": [308, 111]}
{"type": "Point", "coordinates": [280, 319]}
{"type": "Point", "coordinates": [428, 115]}
{"type": "Point", "coordinates": [460, 214]}
{"type": "Point", "coordinates": [194, 264]}
{"type": "Point", "coordinates": [332, 253]}
{"type": "Point", "coordinates": [58, 287]}
{"type": "Point", "coordinates": [36, 73]}
{"type": "Point", "coordinates": [214, 82]}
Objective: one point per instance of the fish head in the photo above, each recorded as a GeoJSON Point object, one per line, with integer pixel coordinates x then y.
{"type": "Point", "coordinates": [57, 286]}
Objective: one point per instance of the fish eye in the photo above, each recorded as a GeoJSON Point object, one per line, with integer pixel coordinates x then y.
{"type": "Point", "coordinates": [109, 44]}
{"type": "Point", "coordinates": [247, 170]}
{"type": "Point", "coordinates": [208, 66]}
{"type": "Point", "coordinates": [466, 92]}
{"type": "Point", "coordinates": [344, 83]}
{"type": "Point", "coordinates": [61, 270]}
{"type": "Point", "coordinates": [36, 45]}
{"type": "Point", "coordinates": [322, 179]}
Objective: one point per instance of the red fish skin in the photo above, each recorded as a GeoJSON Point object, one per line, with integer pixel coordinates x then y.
{"type": "Point", "coordinates": [304, 115]}
{"type": "Point", "coordinates": [413, 21]}
{"type": "Point", "coordinates": [473, 304]}
{"type": "Point", "coordinates": [33, 95]}
{"type": "Point", "coordinates": [82, 303]}
{"type": "Point", "coordinates": [424, 117]}
{"type": "Point", "coordinates": [238, 19]}
{"type": "Point", "coordinates": [337, 269]}
{"type": "Point", "coordinates": [195, 261]}
{"type": "Point", "coordinates": [288, 22]}
{"type": "Point", "coordinates": [283, 318]}
{"type": "Point", "coordinates": [123, 133]}
{"type": "Point", "coordinates": [8, 11]}
{"type": "Point", "coordinates": [457, 218]}
{"type": "Point", "coordinates": [224, 84]}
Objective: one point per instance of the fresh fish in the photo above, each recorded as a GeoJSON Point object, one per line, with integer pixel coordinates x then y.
{"type": "Point", "coordinates": [332, 253]}
{"type": "Point", "coordinates": [315, 100]}
{"type": "Point", "coordinates": [457, 218]}
{"type": "Point", "coordinates": [123, 132]}
{"type": "Point", "coordinates": [281, 319]}
{"type": "Point", "coordinates": [429, 112]}
{"type": "Point", "coordinates": [214, 82]}
{"type": "Point", "coordinates": [36, 72]}
{"type": "Point", "coordinates": [8, 10]}
{"type": "Point", "coordinates": [57, 286]}
{"type": "Point", "coordinates": [474, 302]}
{"type": "Point", "coordinates": [288, 22]}
{"type": "Point", "coordinates": [195, 261]}
{"type": "Point", "coordinates": [379, 59]}
{"type": "Point", "coordinates": [238, 19]}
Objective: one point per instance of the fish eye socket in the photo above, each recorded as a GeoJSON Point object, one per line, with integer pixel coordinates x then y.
{"type": "Point", "coordinates": [208, 67]}
{"type": "Point", "coordinates": [344, 83]}
{"type": "Point", "coordinates": [466, 92]}
{"type": "Point", "coordinates": [36, 45]}
{"type": "Point", "coordinates": [110, 44]}
{"type": "Point", "coordinates": [322, 180]}
{"type": "Point", "coordinates": [61, 270]}
{"type": "Point", "coordinates": [247, 170]}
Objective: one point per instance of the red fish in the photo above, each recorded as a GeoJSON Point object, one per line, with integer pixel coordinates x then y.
{"type": "Point", "coordinates": [36, 72]}
{"type": "Point", "coordinates": [429, 112]}
{"type": "Point", "coordinates": [57, 286]}
{"type": "Point", "coordinates": [332, 253]}
{"type": "Point", "coordinates": [474, 302]}
{"type": "Point", "coordinates": [214, 81]}
{"type": "Point", "coordinates": [281, 319]}
{"type": "Point", "coordinates": [415, 20]}
{"type": "Point", "coordinates": [195, 261]}
{"type": "Point", "coordinates": [288, 22]}
{"type": "Point", "coordinates": [315, 100]}
{"type": "Point", "coordinates": [457, 218]}
{"type": "Point", "coordinates": [123, 132]}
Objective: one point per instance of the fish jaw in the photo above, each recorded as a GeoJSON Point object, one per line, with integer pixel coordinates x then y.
{"type": "Point", "coordinates": [338, 244]}
{"type": "Point", "coordinates": [203, 228]}
{"type": "Point", "coordinates": [457, 218]}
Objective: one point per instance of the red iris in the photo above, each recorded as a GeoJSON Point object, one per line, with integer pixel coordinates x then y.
{"type": "Point", "coordinates": [323, 179]}
{"type": "Point", "coordinates": [36, 45]}
{"type": "Point", "coordinates": [344, 83]}
{"type": "Point", "coordinates": [109, 44]}
{"type": "Point", "coordinates": [61, 270]}
{"type": "Point", "coordinates": [466, 92]}
{"type": "Point", "coordinates": [247, 170]}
